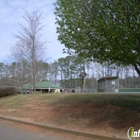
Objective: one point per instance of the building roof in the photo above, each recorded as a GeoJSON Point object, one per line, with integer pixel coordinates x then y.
{"type": "Point", "coordinates": [107, 78]}
{"type": "Point", "coordinates": [42, 85]}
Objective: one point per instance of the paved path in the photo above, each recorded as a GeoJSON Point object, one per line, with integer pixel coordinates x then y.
{"type": "Point", "coordinates": [9, 132]}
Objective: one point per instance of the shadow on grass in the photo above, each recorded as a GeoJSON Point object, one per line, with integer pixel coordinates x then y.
{"type": "Point", "coordinates": [96, 110]}
{"type": "Point", "coordinates": [125, 101]}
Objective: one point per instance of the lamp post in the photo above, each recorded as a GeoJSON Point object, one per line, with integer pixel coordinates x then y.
{"type": "Point", "coordinates": [83, 75]}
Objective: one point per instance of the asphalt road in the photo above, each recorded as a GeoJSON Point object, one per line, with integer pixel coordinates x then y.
{"type": "Point", "coordinates": [9, 132]}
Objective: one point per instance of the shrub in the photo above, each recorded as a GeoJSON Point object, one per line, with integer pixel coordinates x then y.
{"type": "Point", "coordinates": [6, 91]}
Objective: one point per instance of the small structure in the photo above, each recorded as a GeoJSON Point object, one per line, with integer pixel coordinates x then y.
{"type": "Point", "coordinates": [57, 91]}
{"type": "Point", "coordinates": [83, 75]}
{"type": "Point", "coordinates": [108, 84]}
{"type": "Point", "coordinates": [43, 86]}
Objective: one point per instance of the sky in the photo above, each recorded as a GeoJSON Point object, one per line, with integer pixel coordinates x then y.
{"type": "Point", "coordinates": [11, 12]}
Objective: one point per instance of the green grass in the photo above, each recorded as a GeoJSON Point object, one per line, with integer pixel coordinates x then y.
{"type": "Point", "coordinates": [14, 101]}
{"type": "Point", "coordinates": [125, 101]}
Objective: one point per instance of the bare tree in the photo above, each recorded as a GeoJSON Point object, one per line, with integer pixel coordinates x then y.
{"type": "Point", "coordinates": [30, 37]}
{"type": "Point", "coordinates": [18, 55]}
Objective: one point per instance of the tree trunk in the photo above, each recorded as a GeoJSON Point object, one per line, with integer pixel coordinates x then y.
{"type": "Point", "coordinates": [137, 69]}
{"type": "Point", "coordinates": [33, 59]}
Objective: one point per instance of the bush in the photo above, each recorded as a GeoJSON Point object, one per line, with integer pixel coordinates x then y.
{"type": "Point", "coordinates": [6, 91]}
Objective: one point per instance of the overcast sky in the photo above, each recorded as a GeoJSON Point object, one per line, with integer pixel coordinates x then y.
{"type": "Point", "coordinates": [11, 12]}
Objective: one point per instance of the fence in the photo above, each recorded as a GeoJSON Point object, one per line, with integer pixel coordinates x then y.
{"type": "Point", "coordinates": [130, 82]}
{"type": "Point", "coordinates": [114, 84]}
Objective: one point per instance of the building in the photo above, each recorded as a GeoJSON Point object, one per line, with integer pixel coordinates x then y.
{"type": "Point", "coordinates": [108, 84]}
{"type": "Point", "coordinates": [43, 86]}
{"type": "Point", "coordinates": [114, 84]}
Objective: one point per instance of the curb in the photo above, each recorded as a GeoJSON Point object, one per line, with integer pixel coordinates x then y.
{"type": "Point", "coordinates": [58, 129]}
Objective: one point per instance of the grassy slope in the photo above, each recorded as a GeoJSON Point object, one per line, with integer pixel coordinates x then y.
{"type": "Point", "coordinates": [125, 101]}
{"type": "Point", "coordinates": [118, 112]}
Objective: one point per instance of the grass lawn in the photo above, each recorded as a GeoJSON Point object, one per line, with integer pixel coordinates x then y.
{"type": "Point", "coordinates": [95, 113]}
{"type": "Point", "coordinates": [125, 101]}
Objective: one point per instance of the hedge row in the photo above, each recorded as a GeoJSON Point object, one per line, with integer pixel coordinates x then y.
{"type": "Point", "coordinates": [6, 91]}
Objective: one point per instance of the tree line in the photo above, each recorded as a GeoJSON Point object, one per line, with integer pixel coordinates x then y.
{"type": "Point", "coordinates": [64, 72]}
{"type": "Point", "coordinates": [89, 49]}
